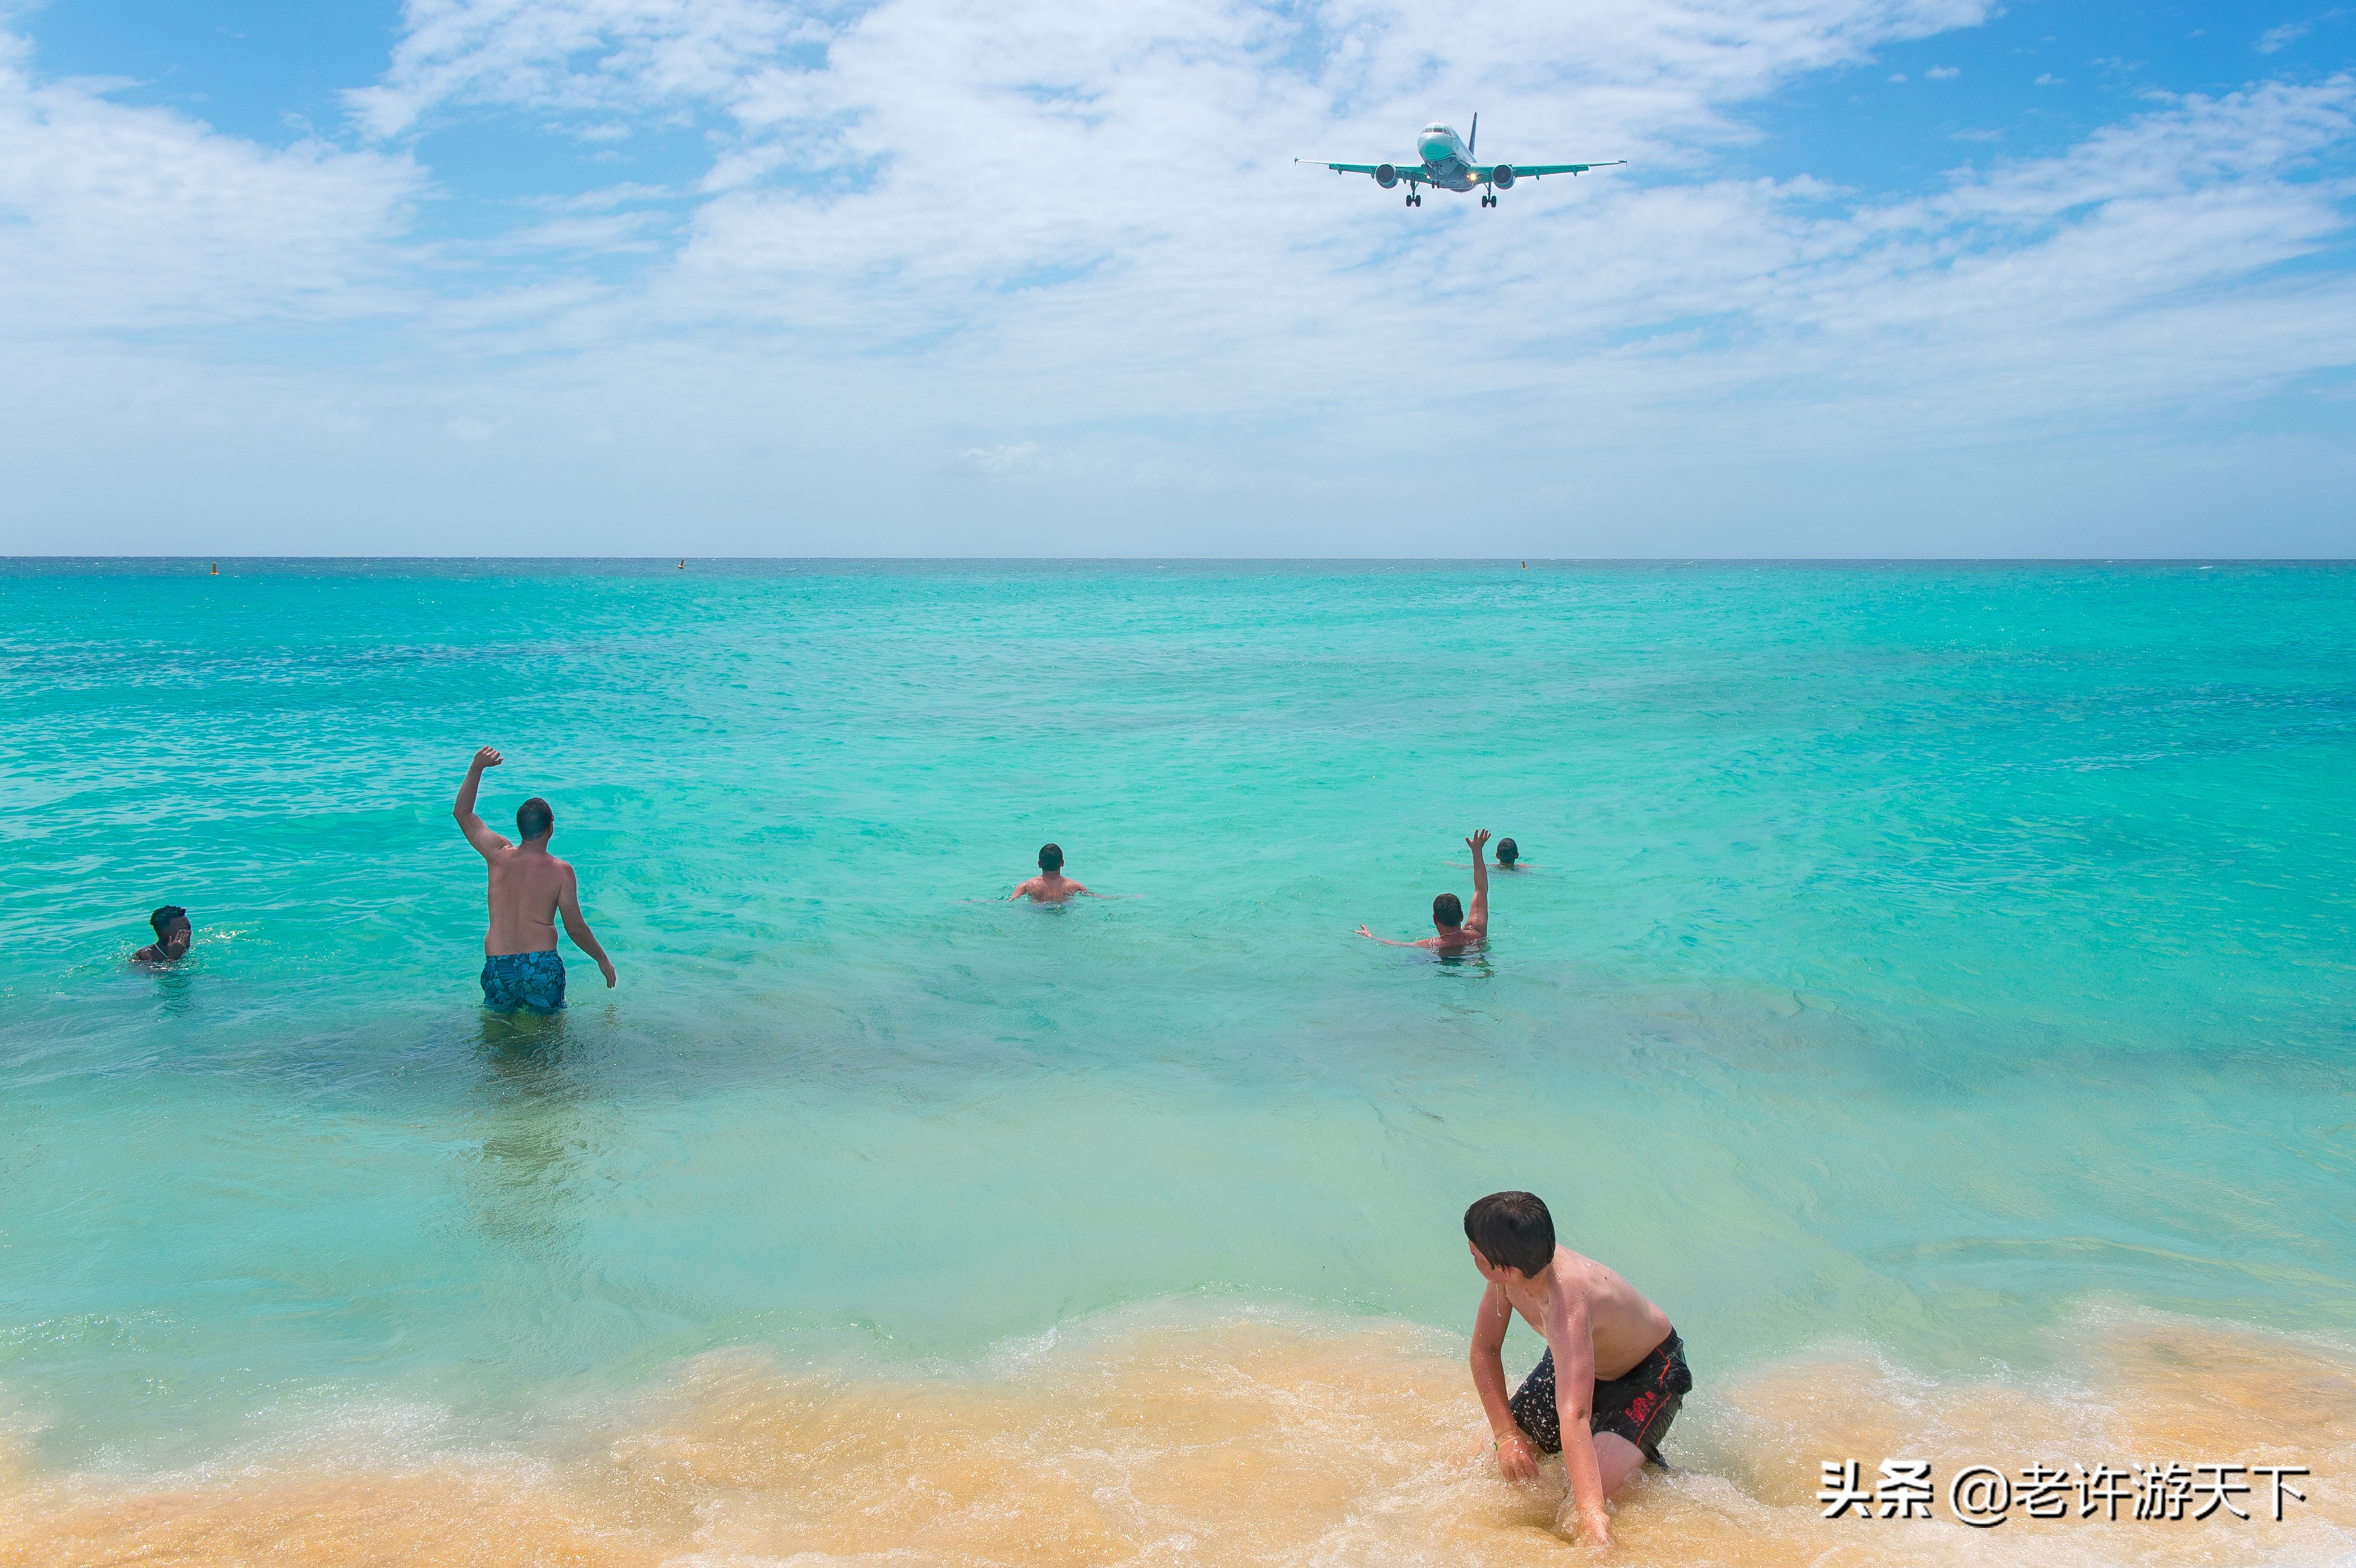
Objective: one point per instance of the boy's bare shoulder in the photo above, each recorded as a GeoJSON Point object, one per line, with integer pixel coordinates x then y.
{"type": "Point", "coordinates": [1583, 1275]}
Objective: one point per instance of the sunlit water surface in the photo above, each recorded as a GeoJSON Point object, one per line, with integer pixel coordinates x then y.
{"type": "Point", "coordinates": [1932, 985]}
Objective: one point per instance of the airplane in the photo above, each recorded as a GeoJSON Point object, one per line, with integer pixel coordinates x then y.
{"type": "Point", "coordinates": [1448, 164]}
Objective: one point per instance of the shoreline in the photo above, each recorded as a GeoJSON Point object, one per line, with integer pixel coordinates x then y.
{"type": "Point", "coordinates": [1246, 1435]}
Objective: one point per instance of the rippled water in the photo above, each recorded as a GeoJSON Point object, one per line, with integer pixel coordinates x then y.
{"type": "Point", "coordinates": [1933, 985]}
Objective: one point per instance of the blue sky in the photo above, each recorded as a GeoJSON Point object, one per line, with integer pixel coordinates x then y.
{"type": "Point", "coordinates": [1880, 277]}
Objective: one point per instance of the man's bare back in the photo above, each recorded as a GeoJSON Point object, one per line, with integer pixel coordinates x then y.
{"type": "Point", "coordinates": [1051, 885]}
{"type": "Point", "coordinates": [526, 882]}
{"type": "Point", "coordinates": [1048, 890]}
{"type": "Point", "coordinates": [530, 890]}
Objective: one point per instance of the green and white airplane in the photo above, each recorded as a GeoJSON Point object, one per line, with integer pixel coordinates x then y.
{"type": "Point", "coordinates": [1448, 164]}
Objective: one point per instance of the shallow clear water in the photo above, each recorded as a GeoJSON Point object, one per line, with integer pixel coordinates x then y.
{"type": "Point", "coordinates": [1931, 964]}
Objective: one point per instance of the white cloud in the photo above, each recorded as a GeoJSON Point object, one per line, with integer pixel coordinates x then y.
{"type": "Point", "coordinates": [2127, 275]}
{"type": "Point", "coordinates": [590, 56]}
{"type": "Point", "coordinates": [610, 233]}
{"type": "Point", "coordinates": [116, 217]}
{"type": "Point", "coordinates": [768, 63]}
{"type": "Point", "coordinates": [996, 144]}
{"type": "Point", "coordinates": [2274, 38]}
{"type": "Point", "coordinates": [1004, 461]}
{"type": "Point", "coordinates": [1178, 271]}
{"type": "Point", "coordinates": [1944, 72]}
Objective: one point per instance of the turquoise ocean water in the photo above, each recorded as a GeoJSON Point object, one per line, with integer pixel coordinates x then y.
{"type": "Point", "coordinates": [1912, 958]}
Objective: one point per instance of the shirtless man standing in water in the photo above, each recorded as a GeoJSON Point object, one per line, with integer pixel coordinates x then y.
{"type": "Point", "coordinates": [1452, 928]}
{"type": "Point", "coordinates": [529, 888]}
{"type": "Point", "coordinates": [1613, 1374]}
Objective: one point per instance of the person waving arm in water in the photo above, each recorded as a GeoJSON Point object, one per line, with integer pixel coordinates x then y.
{"type": "Point", "coordinates": [530, 890]}
{"type": "Point", "coordinates": [1452, 927]}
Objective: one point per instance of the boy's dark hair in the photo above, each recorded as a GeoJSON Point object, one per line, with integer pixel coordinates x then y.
{"type": "Point", "coordinates": [162, 918]}
{"type": "Point", "coordinates": [1446, 911]}
{"type": "Point", "coordinates": [1051, 858]}
{"type": "Point", "coordinates": [534, 818]}
{"type": "Point", "coordinates": [1513, 1231]}
{"type": "Point", "coordinates": [1508, 851]}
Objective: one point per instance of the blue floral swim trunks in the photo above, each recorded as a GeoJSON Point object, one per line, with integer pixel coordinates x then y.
{"type": "Point", "coordinates": [532, 980]}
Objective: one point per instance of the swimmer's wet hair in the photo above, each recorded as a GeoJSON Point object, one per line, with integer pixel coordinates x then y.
{"type": "Point", "coordinates": [163, 917]}
{"type": "Point", "coordinates": [534, 818]}
{"type": "Point", "coordinates": [1508, 851]}
{"type": "Point", "coordinates": [1051, 858]}
{"type": "Point", "coordinates": [1513, 1231]}
{"type": "Point", "coordinates": [1446, 911]}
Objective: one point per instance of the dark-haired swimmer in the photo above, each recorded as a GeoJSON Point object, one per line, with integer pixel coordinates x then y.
{"type": "Point", "coordinates": [1509, 855]}
{"type": "Point", "coordinates": [530, 888]}
{"type": "Point", "coordinates": [1051, 885]}
{"type": "Point", "coordinates": [173, 935]}
{"type": "Point", "coordinates": [1452, 925]}
{"type": "Point", "coordinates": [1613, 1375]}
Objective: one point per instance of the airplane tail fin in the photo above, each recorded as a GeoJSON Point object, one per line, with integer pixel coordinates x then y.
{"type": "Point", "coordinates": [1472, 147]}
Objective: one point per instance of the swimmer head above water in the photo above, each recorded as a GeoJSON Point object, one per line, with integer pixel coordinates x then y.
{"type": "Point", "coordinates": [173, 935]}
{"type": "Point", "coordinates": [1051, 885]}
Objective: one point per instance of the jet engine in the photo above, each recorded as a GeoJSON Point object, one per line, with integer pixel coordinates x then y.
{"type": "Point", "coordinates": [1385, 176]}
{"type": "Point", "coordinates": [1502, 177]}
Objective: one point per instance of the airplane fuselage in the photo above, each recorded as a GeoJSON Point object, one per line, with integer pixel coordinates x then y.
{"type": "Point", "coordinates": [1446, 164]}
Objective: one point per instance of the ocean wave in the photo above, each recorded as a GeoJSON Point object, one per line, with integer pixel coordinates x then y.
{"type": "Point", "coordinates": [1249, 1438]}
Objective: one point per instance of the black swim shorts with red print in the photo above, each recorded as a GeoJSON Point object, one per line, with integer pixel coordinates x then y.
{"type": "Point", "coordinates": [1639, 1404]}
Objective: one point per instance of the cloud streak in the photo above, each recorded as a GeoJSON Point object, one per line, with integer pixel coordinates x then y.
{"type": "Point", "coordinates": [117, 218]}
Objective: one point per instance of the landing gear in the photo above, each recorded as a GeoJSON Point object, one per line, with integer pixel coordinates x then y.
{"type": "Point", "coordinates": [1414, 199]}
{"type": "Point", "coordinates": [1489, 199]}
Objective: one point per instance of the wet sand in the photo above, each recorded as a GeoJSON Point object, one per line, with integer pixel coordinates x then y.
{"type": "Point", "coordinates": [1248, 1440]}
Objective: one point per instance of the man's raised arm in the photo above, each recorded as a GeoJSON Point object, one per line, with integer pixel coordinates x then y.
{"type": "Point", "coordinates": [477, 832]}
{"type": "Point", "coordinates": [1477, 922]}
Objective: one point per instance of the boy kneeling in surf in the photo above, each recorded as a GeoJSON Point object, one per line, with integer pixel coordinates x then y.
{"type": "Point", "coordinates": [1614, 1371]}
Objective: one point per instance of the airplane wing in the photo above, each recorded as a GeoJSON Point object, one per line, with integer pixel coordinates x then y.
{"type": "Point", "coordinates": [1539, 171]}
{"type": "Point", "coordinates": [1405, 171]}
